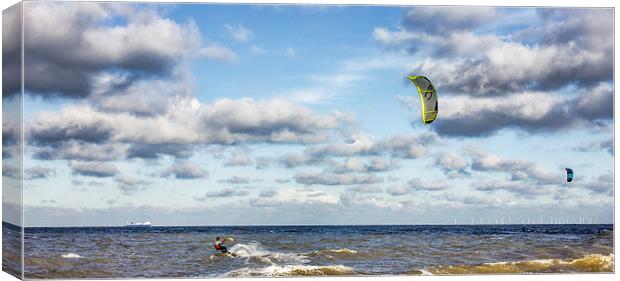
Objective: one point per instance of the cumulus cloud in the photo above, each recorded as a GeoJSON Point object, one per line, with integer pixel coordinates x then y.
{"type": "Point", "coordinates": [263, 162]}
{"type": "Point", "coordinates": [217, 52]}
{"type": "Point", "coordinates": [77, 150]}
{"type": "Point", "coordinates": [11, 172]}
{"type": "Point", "coordinates": [239, 158]}
{"type": "Point", "coordinates": [360, 144]}
{"type": "Point", "coordinates": [427, 185]}
{"type": "Point", "coordinates": [63, 61]}
{"type": "Point", "coordinates": [239, 32]}
{"type": "Point", "coordinates": [11, 50]}
{"type": "Point", "coordinates": [519, 170]}
{"type": "Point", "coordinates": [257, 50]}
{"type": "Point", "coordinates": [366, 189]}
{"type": "Point", "coordinates": [532, 112]}
{"type": "Point", "coordinates": [571, 46]}
{"type": "Point", "coordinates": [451, 164]}
{"type": "Point", "coordinates": [311, 178]}
{"type": "Point", "coordinates": [89, 183]}
{"type": "Point", "coordinates": [358, 165]}
{"type": "Point", "coordinates": [519, 188]}
{"type": "Point", "coordinates": [39, 172]}
{"type": "Point", "coordinates": [474, 200]}
{"type": "Point", "coordinates": [237, 180]}
{"type": "Point", "coordinates": [77, 124]}
{"type": "Point", "coordinates": [598, 145]}
{"type": "Point", "coordinates": [130, 184]}
{"type": "Point", "coordinates": [185, 170]}
{"type": "Point", "coordinates": [226, 192]}
{"type": "Point", "coordinates": [157, 150]}
{"type": "Point", "coordinates": [267, 193]}
{"type": "Point", "coordinates": [603, 184]}
{"type": "Point", "coordinates": [442, 19]}
{"type": "Point", "coordinates": [148, 96]}
{"type": "Point", "coordinates": [527, 76]}
{"type": "Point", "coordinates": [283, 180]}
{"type": "Point", "coordinates": [11, 129]}
{"type": "Point", "coordinates": [290, 53]}
{"type": "Point", "coordinates": [187, 123]}
{"type": "Point", "coordinates": [526, 68]}
{"type": "Point", "coordinates": [407, 146]}
{"type": "Point", "coordinates": [353, 199]}
{"type": "Point", "coordinates": [11, 133]}
{"type": "Point", "coordinates": [398, 190]}
{"type": "Point", "coordinates": [291, 160]}
{"type": "Point", "coordinates": [93, 168]}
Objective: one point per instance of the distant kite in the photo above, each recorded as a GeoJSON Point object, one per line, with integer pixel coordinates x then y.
{"type": "Point", "coordinates": [569, 175]}
{"type": "Point", "coordinates": [428, 98]}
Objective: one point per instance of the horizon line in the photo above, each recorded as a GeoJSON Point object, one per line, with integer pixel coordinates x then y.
{"type": "Point", "coordinates": [304, 225]}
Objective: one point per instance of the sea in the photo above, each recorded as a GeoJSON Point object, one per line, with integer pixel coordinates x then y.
{"type": "Point", "coordinates": [274, 251]}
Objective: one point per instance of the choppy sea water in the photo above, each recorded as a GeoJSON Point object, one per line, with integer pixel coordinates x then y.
{"type": "Point", "coordinates": [118, 252]}
{"type": "Point", "coordinates": [11, 249]}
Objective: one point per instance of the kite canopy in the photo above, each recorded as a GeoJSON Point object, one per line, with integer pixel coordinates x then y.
{"type": "Point", "coordinates": [428, 98]}
{"type": "Point", "coordinates": [569, 175]}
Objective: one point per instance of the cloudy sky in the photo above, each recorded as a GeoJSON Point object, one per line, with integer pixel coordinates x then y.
{"type": "Point", "coordinates": [236, 114]}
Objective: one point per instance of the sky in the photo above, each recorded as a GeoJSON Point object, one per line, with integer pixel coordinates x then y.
{"type": "Point", "coordinates": [202, 114]}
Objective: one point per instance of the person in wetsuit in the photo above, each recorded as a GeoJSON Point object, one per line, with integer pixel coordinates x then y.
{"type": "Point", "coordinates": [219, 245]}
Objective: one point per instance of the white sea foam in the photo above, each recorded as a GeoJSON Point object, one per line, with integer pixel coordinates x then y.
{"type": "Point", "coordinates": [71, 256]}
{"type": "Point", "coordinates": [344, 251]}
{"type": "Point", "coordinates": [248, 250]}
{"type": "Point", "coordinates": [292, 270]}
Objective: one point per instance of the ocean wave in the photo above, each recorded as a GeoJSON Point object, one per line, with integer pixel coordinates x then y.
{"type": "Point", "coordinates": [248, 250]}
{"type": "Point", "coordinates": [589, 263]}
{"type": "Point", "coordinates": [255, 252]}
{"type": "Point", "coordinates": [292, 270]}
{"type": "Point", "coordinates": [284, 264]}
{"type": "Point", "coordinates": [344, 251]}
{"type": "Point", "coordinates": [71, 256]}
{"type": "Point", "coordinates": [328, 252]}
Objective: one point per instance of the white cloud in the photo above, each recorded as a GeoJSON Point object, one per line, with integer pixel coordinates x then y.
{"type": "Point", "coordinates": [451, 164]}
{"type": "Point", "coordinates": [227, 192]}
{"type": "Point", "coordinates": [427, 185]}
{"type": "Point", "coordinates": [93, 168]}
{"type": "Point", "coordinates": [38, 172]}
{"type": "Point", "coordinates": [398, 190]}
{"type": "Point", "coordinates": [130, 184]}
{"type": "Point", "coordinates": [217, 52]}
{"type": "Point", "coordinates": [239, 32]}
{"type": "Point", "coordinates": [358, 165]}
{"type": "Point", "coordinates": [187, 121]}
{"type": "Point", "coordinates": [290, 53]}
{"type": "Point", "coordinates": [236, 180]}
{"type": "Point", "coordinates": [70, 43]}
{"type": "Point", "coordinates": [387, 37]}
{"type": "Point", "coordinates": [239, 158]}
{"type": "Point", "coordinates": [311, 178]}
{"type": "Point", "coordinates": [268, 193]}
{"type": "Point", "coordinates": [257, 50]}
{"type": "Point", "coordinates": [466, 115]}
{"type": "Point", "coordinates": [462, 55]}
{"type": "Point", "coordinates": [366, 189]}
{"type": "Point", "coordinates": [522, 189]}
{"type": "Point", "coordinates": [520, 170]}
{"type": "Point", "coordinates": [185, 170]}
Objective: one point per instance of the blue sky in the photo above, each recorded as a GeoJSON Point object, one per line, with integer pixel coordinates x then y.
{"type": "Point", "coordinates": [236, 114]}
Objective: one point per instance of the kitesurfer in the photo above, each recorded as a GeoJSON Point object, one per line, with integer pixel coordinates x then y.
{"type": "Point", "coordinates": [219, 245]}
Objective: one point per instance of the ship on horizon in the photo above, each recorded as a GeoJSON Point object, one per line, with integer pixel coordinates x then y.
{"type": "Point", "coordinates": [138, 224]}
